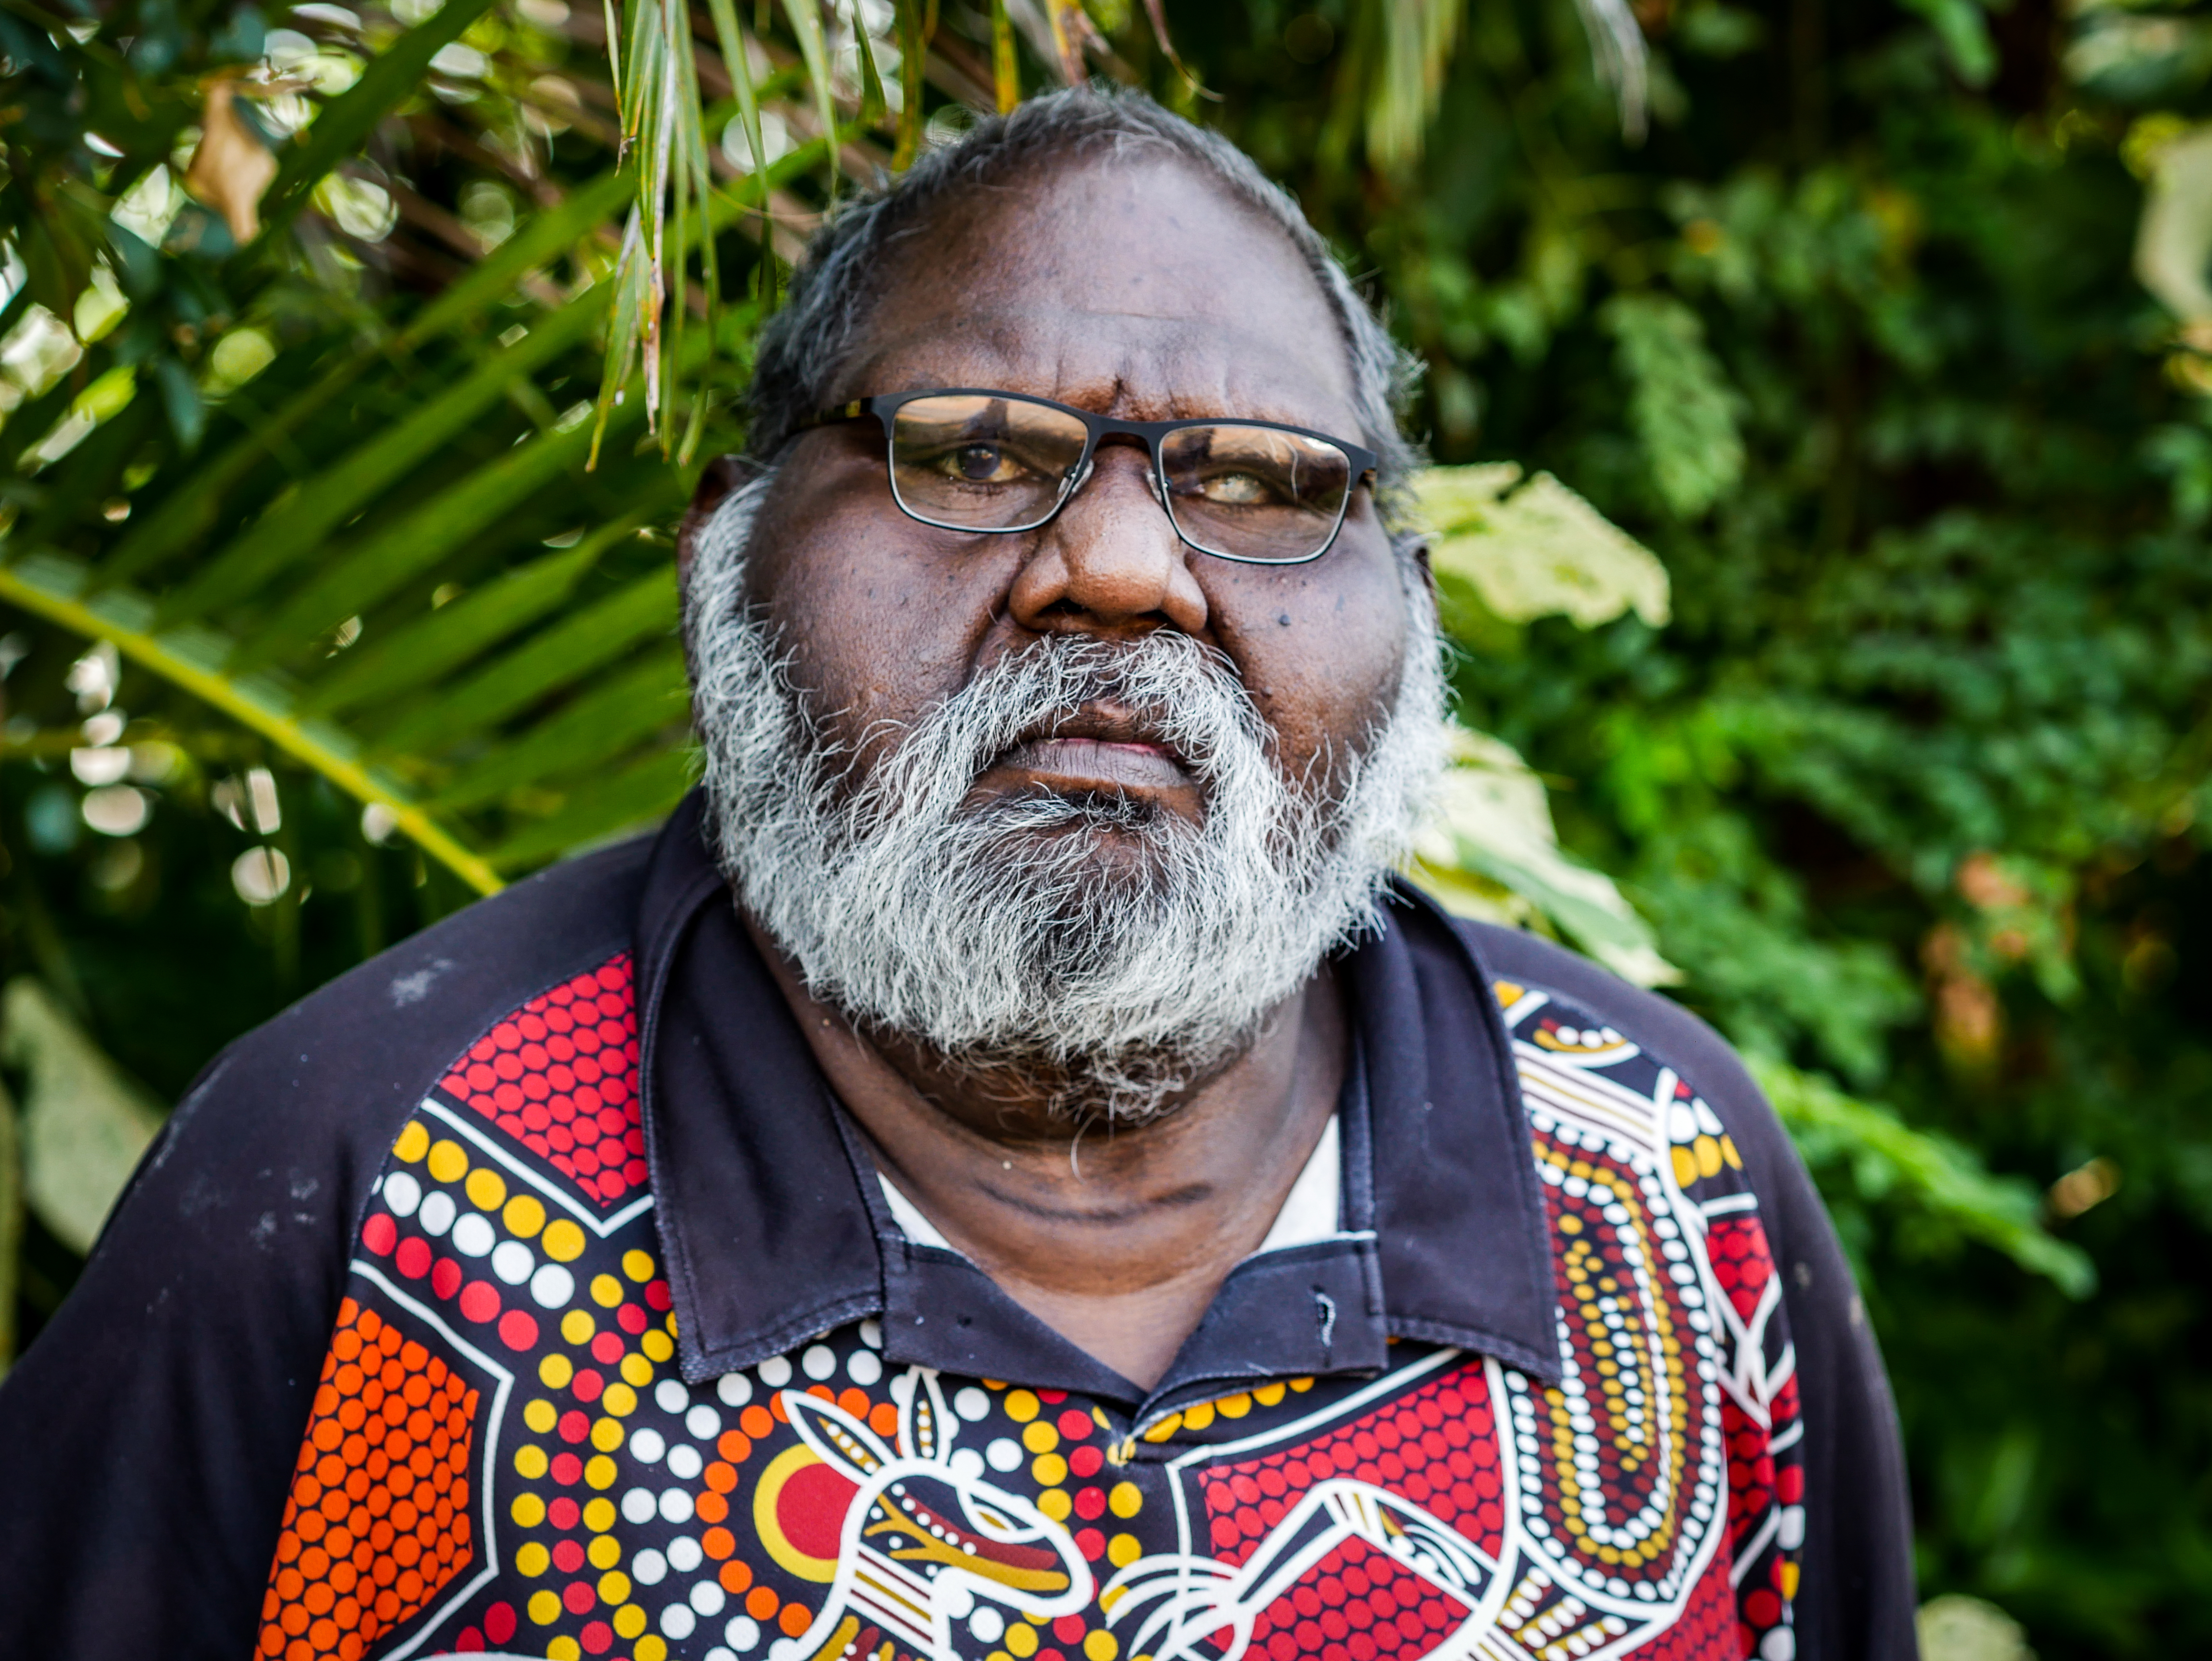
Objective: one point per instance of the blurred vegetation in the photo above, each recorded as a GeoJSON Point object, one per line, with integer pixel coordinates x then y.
{"type": "Point", "coordinates": [1820, 393]}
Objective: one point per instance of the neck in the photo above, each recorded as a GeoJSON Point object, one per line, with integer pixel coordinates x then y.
{"type": "Point", "coordinates": [1116, 1237]}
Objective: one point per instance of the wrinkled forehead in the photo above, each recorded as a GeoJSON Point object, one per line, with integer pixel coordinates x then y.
{"type": "Point", "coordinates": [1134, 282]}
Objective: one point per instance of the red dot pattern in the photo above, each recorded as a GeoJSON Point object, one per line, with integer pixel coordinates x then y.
{"type": "Point", "coordinates": [479, 1302]}
{"type": "Point", "coordinates": [1356, 1604]}
{"type": "Point", "coordinates": [499, 1624]}
{"type": "Point", "coordinates": [377, 1524]}
{"type": "Point", "coordinates": [1708, 1629]}
{"type": "Point", "coordinates": [1435, 1444]}
{"type": "Point", "coordinates": [1741, 1262]}
{"type": "Point", "coordinates": [559, 1075]}
{"type": "Point", "coordinates": [1750, 1472]}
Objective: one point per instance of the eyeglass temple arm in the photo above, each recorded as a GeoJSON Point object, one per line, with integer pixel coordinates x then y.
{"type": "Point", "coordinates": [858, 410]}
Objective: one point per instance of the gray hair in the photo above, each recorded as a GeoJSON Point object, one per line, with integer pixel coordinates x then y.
{"type": "Point", "coordinates": [806, 344]}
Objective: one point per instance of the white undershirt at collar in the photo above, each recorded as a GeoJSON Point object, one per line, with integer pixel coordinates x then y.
{"type": "Point", "coordinates": [1309, 1213]}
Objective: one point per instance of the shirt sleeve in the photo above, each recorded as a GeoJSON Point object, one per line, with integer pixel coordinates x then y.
{"type": "Point", "coordinates": [1853, 1592]}
{"type": "Point", "coordinates": [148, 1437]}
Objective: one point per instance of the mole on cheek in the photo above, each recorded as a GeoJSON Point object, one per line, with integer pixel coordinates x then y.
{"type": "Point", "coordinates": [1285, 619]}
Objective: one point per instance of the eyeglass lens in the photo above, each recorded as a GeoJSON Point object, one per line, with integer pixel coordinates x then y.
{"type": "Point", "coordinates": [991, 462]}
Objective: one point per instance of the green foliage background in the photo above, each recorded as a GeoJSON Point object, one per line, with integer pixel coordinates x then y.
{"type": "Point", "coordinates": [1910, 788]}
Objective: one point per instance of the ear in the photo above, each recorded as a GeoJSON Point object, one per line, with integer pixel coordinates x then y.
{"type": "Point", "coordinates": [723, 476]}
{"type": "Point", "coordinates": [925, 1425]}
{"type": "Point", "coordinates": [841, 1441]}
{"type": "Point", "coordinates": [1419, 551]}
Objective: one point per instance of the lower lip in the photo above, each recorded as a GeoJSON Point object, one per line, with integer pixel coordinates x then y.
{"type": "Point", "coordinates": [1097, 764]}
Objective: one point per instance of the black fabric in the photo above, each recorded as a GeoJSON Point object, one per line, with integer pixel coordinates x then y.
{"type": "Point", "coordinates": [147, 1439]}
{"type": "Point", "coordinates": [1465, 1251]}
{"type": "Point", "coordinates": [767, 1236]}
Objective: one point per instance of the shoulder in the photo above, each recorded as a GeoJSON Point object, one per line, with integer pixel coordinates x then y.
{"type": "Point", "coordinates": [1564, 1012]}
{"type": "Point", "coordinates": [306, 1106]}
{"type": "Point", "coordinates": [409, 1009]}
{"type": "Point", "coordinates": [187, 1353]}
{"type": "Point", "coordinates": [1518, 962]}
{"type": "Point", "coordinates": [1808, 1419]}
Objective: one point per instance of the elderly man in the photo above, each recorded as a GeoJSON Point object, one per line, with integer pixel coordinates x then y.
{"type": "Point", "coordinates": [1007, 1173]}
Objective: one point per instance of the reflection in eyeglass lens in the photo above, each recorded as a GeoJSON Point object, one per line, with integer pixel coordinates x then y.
{"type": "Point", "coordinates": [1254, 492]}
{"type": "Point", "coordinates": [995, 462]}
{"type": "Point", "coordinates": [990, 463]}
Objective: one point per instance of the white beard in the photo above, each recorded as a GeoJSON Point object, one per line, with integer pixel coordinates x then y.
{"type": "Point", "coordinates": [999, 937]}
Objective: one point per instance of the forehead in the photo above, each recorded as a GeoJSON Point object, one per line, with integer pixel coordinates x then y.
{"type": "Point", "coordinates": [1138, 284]}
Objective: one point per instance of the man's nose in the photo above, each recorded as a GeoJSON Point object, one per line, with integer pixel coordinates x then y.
{"type": "Point", "coordinates": [1111, 562]}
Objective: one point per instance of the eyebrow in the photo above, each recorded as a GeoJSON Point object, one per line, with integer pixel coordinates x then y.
{"type": "Point", "coordinates": [1012, 360]}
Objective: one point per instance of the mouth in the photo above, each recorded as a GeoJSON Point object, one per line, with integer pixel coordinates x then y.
{"type": "Point", "coordinates": [1099, 749]}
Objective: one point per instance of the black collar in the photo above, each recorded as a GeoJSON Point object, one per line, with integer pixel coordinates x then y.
{"type": "Point", "coordinates": [775, 1230]}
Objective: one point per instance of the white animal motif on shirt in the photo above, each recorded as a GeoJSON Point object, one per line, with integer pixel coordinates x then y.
{"type": "Point", "coordinates": [1198, 1599]}
{"type": "Point", "coordinates": [925, 1541]}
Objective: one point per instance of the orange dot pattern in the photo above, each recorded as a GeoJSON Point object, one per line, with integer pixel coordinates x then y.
{"type": "Point", "coordinates": [377, 1524]}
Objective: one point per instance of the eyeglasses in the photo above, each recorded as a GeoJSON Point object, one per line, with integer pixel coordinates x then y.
{"type": "Point", "coordinates": [962, 458]}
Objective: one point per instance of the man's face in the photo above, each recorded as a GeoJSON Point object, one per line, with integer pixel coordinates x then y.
{"type": "Point", "coordinates": [1073, 809]}
{"type": "Point", "coordinates": [1138, 290]}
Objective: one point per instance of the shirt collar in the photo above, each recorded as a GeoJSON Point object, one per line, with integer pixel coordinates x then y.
{"type": "Point", "coordinates": [775, 1230]}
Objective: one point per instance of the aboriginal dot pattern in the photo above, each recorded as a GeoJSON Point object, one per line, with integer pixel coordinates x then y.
{"type": "Point", "coordinates": [1667, 1283]}
{"type": "Point", "coordinates": [560, 1076]}
{"type": "Point", "coordinates": [1435, 1444]}
{"type": "Point", "coordinates": [635, 1516]}
{"type": "Point", "coordinates": [377, 1523]}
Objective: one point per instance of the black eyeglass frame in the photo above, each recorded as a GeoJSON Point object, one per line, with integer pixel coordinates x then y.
{"type": "Point", "coordinates": [1366, 464]}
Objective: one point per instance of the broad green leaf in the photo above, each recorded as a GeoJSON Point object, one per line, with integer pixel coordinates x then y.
{"type": "Point", "coordinates": [1957, 1627]}
{"type": "Point", "coordinates": [84, 1124]}
{"type": "Point", "coordinates": [2173, 240]}
{"type": "Point", "coordinates": [1538, 552]}
{"type": "Point", "coordinates": [1488, 850]}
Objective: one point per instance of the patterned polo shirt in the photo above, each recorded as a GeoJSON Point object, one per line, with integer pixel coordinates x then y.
{"type": "Point", "coordinates": [623, 1352]}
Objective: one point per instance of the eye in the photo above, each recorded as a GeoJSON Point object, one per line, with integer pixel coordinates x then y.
{"type": "Point", "coordinates": [981, 464]}
{"type": "Point", "coordinates": [1235, 490]}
